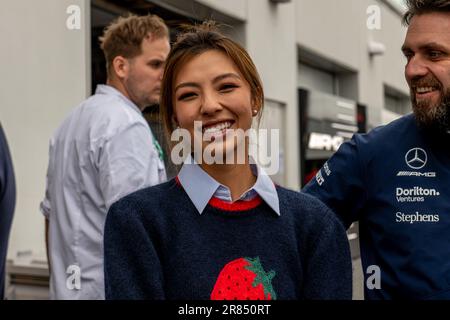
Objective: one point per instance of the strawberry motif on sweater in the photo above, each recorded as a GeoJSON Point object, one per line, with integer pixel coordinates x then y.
{"type": "Point", "coordinates": [244, 279]}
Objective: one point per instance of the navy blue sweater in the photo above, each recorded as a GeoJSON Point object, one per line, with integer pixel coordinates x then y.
{"type": "Point", "coordinates": [157, 246]}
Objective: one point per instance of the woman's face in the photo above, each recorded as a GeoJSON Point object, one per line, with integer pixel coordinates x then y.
{"type": "Point", "coordinates": [209, 88]}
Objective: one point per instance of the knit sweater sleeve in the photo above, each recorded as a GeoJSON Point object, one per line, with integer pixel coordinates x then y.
{"type": "Point", "coordinates": [132, 266]}
{"type": "Point", "coordinates": [329, 267]}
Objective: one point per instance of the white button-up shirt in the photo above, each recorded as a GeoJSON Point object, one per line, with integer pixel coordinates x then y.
{"type": "Point", "coordinates": [103, 151]}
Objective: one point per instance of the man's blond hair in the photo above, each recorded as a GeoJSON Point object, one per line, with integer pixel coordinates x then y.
{"type": "Point", "coordinates": [124, 36]}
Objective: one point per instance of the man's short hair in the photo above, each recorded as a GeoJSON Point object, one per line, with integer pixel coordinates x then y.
{"type": "Point", "coordinates": [418, 7]}
{"type": "Point", "coordinates": [124, 36]}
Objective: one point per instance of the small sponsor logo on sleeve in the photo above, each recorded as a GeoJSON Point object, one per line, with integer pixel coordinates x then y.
{"type": "Point", "coordinates": [319, 178]}
{"type": "Point", "coordinates": [326, 167]}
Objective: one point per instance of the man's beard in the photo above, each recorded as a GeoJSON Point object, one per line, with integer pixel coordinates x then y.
{"type": "Point", "coordinates": [140, 97]}
{"type": "Point", "coordinates": [432, 117]}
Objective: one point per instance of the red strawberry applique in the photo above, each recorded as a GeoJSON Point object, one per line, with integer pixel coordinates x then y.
{"type": "Point", "coordinates": [244, 279]}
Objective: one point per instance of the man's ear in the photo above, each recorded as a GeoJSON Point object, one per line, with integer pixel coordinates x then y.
{"type": "Point", "coordinates": [121, 67]}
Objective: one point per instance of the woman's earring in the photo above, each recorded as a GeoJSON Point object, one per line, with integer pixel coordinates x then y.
{"type": "Point", "coordinates": [255, 112]}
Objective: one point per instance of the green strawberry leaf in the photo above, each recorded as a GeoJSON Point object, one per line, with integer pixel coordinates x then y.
{"type": "Point", "coordinates": [261, 276]}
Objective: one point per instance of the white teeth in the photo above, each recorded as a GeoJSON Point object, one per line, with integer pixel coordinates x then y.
{"type": "Point", "coordinates": [217, 128]}
{"type": "Point", "coordinates": [424, 89]}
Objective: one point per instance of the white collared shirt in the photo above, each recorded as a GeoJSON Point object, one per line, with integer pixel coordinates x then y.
{"type": "Point", "coordinates": [101, 152]}
{"type": "Point", "coordinates": [193, 179]}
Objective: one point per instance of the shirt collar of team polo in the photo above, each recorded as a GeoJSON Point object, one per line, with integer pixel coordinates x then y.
{"type": "Point", "coordinates": [110, 90]}
{"type": "Point", "coordinates": [193, 178]}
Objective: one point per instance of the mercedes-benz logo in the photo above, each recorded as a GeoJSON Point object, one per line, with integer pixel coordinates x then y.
{"type": "Point", "coordinates": [416, 158]}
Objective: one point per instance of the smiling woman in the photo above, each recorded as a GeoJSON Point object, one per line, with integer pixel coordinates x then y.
{"type": "Point", "coordinates": [210, 90]}
{"type": "Point", "coordinates": [214, 84]}
{"type": "Point", "coordinates": [221, 231]}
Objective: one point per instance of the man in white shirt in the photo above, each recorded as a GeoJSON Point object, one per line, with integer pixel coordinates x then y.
{"type": "Point", "coordinates": [103, 151]}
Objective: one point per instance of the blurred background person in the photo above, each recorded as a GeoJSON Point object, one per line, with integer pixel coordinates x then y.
{"type": "Point", "coordinates": [102, 151]}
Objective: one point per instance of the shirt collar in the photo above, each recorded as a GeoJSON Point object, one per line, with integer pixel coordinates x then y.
{"type": "Point", "coordinates": [107, 89]}
{"type": "Point", "coordinates": [193, 178]}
